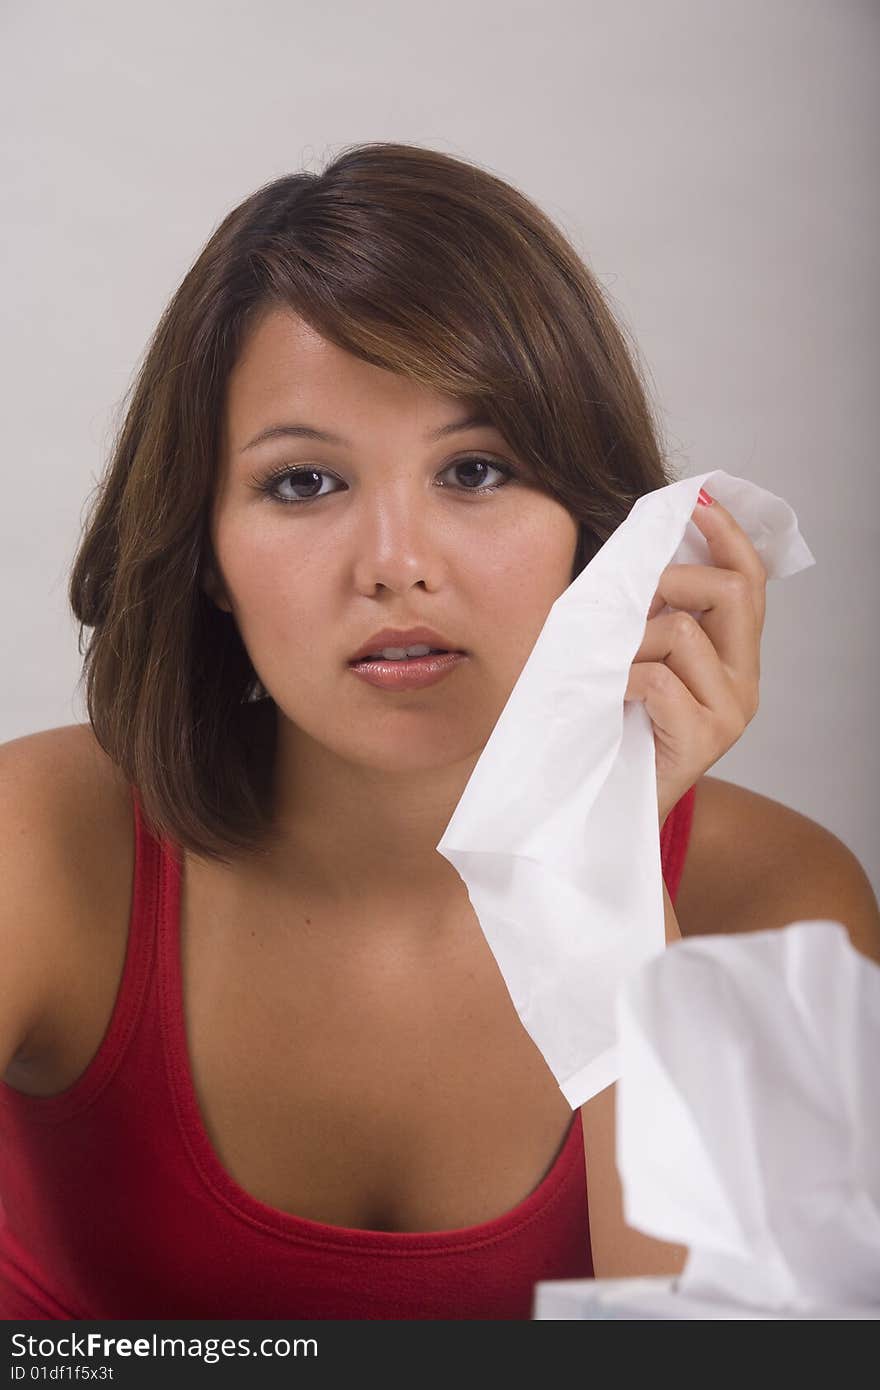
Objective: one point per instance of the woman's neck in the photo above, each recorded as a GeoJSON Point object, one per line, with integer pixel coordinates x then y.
{"type": "Point", "coordinates": [360, 835]}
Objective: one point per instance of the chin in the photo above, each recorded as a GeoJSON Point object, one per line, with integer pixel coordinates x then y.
{"type": "Point", "coordinates": [401, 753]}
{"type": "Point", "coordinates": [396, 761]}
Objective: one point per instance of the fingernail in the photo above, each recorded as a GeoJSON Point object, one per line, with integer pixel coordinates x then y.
{"type": "Point", "coordinates": [704, 499]}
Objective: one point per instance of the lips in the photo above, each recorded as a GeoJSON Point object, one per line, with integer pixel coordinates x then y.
{"type": "Point", "coordinates": [404, 637]}
{"type": "Point", "coordinates": [409, 675]}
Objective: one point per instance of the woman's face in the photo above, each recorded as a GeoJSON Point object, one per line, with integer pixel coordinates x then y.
{"type": "Point", "coordinates": [398, 529]}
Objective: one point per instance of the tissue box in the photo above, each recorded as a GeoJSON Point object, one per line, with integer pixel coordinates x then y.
{"type": "Point", "coordinates": [655, 1298]}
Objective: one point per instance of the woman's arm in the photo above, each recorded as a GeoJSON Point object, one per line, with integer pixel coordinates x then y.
{"type": "Point", "coordinates": [619, 1250]}
{"type": "Point", "coordinates": [752, 865]}
{"type": "Point", "coordinates": [36, 875]}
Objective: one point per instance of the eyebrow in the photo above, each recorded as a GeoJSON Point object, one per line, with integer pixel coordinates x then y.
{"type": "Point", "coordinates": [475, 421]}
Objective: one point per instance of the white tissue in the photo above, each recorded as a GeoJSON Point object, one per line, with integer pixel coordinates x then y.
{"type": "Point", "coordinates": [556, 834]}
{"type": "Point", "coordinates": [748, 1115]}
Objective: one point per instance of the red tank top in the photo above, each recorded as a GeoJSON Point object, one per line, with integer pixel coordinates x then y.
{"type": "Point", "coordinates": [113, 1203]}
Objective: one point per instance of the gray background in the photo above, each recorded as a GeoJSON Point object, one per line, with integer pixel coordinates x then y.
{"type": "Point", "coordinates": [715, 163]}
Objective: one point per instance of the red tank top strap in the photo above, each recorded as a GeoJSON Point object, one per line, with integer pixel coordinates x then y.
{"type": "Point", "coordinates": [674, 838]}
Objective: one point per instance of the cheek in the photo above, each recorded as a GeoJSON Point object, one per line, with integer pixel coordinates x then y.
{"type": "Point", "coordinates": [521, 573]}
{"type": "Point", "coordinates": [274, 589]}
{"type": "Point", "coordinates": [261, 569]}
{"type": "Point", "coordinates": [532, 560]}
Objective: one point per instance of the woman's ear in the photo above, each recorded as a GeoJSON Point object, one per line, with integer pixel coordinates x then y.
{"type": "Point", "coordinates": [211, 585]}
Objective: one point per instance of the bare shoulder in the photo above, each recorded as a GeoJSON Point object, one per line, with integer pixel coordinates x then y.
{"type": "Point", "coordinates": [66, 850]}
{"type": "Point", "coordinates": [753, 863]}
{"type": "Point", "coordinates": [64, 776]}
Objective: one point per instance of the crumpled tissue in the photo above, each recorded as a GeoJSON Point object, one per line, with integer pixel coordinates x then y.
{"type": "Point", "coordinates": [556, 834]}
{"type": "Point", "coordinates": [748, 1115]}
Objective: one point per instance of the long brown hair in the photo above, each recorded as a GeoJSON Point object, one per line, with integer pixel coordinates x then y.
{"type": "Point", "coordinates": [415, 261]}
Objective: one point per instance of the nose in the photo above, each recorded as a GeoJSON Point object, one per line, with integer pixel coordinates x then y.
{"type": "Point", "coordinates": [396, 539]}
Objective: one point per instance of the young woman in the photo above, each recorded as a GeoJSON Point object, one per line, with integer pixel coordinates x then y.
{"type": "Point", "coordinates": [259, 1061]}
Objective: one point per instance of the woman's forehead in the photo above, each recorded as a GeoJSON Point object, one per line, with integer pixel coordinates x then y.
{"type": "Point", "coordinates": [288, 372]}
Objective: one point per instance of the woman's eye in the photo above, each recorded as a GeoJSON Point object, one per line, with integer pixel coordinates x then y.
{"type": "Point", "coordinates": [481, 464]}
{"type": "Point", "coordinates": [305, 483]}
{"type": "Point", "coordinates": [299, 478]}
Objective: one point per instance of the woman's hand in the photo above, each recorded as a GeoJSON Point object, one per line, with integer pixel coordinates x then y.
{"type": "Point", "coordinates": [699, 679]}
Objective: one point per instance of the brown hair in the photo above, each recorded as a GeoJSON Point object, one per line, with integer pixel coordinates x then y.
{"type": "Point", "coordinates": [415, 261]}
